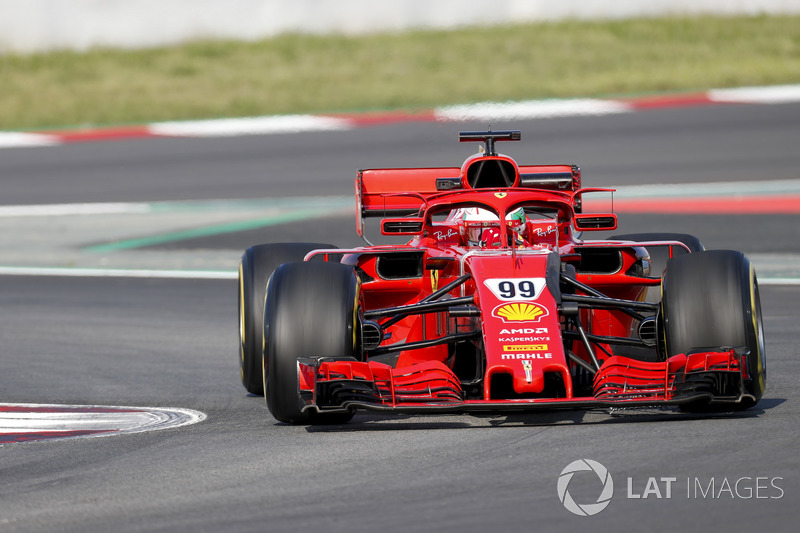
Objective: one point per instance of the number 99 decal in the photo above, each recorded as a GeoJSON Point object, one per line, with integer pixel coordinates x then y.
{"type": "Point", "coordinates": [516, 289]}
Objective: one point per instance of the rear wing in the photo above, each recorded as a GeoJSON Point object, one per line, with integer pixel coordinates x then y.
{"type": "Point", "coordinates": [550, 177]}
{"type": "Point", "coordinates": [393, 192]}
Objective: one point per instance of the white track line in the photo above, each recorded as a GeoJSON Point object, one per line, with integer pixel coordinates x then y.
{"type": "Point", "coordinates": [99, 208]}
{"type": "Point", "coordinates": [778, 94]}
{"type": "Point", "coordinates": [532, 109]}
{"type": "Point", "coordinates": [17, 140]}
{"type": "Point", "coordinates": [117, 273]}
{"type": "Point", "coordinates": [778, 281]}
{"type": "Point", "coordinates": [719, 188]}
{"type": "Point", "coordinates": [249, 126]}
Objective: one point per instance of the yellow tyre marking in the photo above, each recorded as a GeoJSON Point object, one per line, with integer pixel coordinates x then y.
{"type": "Point", "coordinates": [242, 331]}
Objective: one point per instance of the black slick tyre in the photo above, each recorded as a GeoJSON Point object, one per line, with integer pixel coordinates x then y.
{"type": "Point", "coordinates": [310, 312]}
{"type": "Point", "coordinates": [255, 267]}
{"type": "Point", "coordinates": [710, 299]}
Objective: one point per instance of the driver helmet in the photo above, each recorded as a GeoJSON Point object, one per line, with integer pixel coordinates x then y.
{"type": "Point", "coordinates": [482, 226]}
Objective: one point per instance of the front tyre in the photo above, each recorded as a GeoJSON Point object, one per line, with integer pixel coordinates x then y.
{"type": "Point", "coordinates": [310, 312]}
{"type": "Point", "coordinates": [710, 299]}
{"type": "Point", "coordinates": [257, 264]}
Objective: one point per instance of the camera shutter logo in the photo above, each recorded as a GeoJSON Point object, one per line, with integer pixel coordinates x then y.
{"type": "Point", "coordinates": [587, 509]}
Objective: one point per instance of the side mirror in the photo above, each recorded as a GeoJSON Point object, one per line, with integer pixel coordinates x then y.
{"type": "Point", "coordinates": [595, 222]}
{"type": "Point", "coordinates": [402, 226]}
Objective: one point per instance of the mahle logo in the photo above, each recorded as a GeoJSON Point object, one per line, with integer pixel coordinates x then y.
{"type": "Point", "coordinates": [586, 509]}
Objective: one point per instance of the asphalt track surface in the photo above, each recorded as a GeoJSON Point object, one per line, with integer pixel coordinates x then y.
{"type": "Point", "coordinates": [173, 342]}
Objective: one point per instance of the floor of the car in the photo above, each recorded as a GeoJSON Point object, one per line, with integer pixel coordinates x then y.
{"type": "Point", "coordinates": [640, 353]}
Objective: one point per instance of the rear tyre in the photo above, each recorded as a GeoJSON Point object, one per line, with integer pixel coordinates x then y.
{"type": "Point", "coordinates": [710, 299]}
{"type": "Point", "coordinates": [310, 312]}
{"type": "Point", "coordinates": [257, 264]}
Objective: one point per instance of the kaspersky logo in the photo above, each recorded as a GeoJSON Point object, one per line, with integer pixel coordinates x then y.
{"type": "Point", "coordinates": [520, 312]}
{"type": "Point", "coordinates": [566, 477]}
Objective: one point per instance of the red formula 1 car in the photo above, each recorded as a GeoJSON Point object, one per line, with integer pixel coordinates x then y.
{"type": "Point", "coordinates": [495, 303]}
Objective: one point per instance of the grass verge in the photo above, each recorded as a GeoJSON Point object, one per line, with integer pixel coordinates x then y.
{"type": "Point", "coordinates": [314, 74]}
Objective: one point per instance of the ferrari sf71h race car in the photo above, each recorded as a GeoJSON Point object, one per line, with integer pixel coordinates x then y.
{"type": "Point", "coordinates": [495, 302]}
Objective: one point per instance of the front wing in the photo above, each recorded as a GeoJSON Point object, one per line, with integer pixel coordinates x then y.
{"type": "Point", "coordinates": [344, 384]}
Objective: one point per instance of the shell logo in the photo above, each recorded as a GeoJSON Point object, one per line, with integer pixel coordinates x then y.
{"type": "Point", "coordinates": [520, 312]}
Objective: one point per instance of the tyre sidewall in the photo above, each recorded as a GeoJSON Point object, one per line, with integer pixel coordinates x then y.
{"type": "Point", "coordinates": [310, 312]}
{"type": "Point", "coordinates": [710, 300]}
{"type": "Point", "coordinates": [255, 267]}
